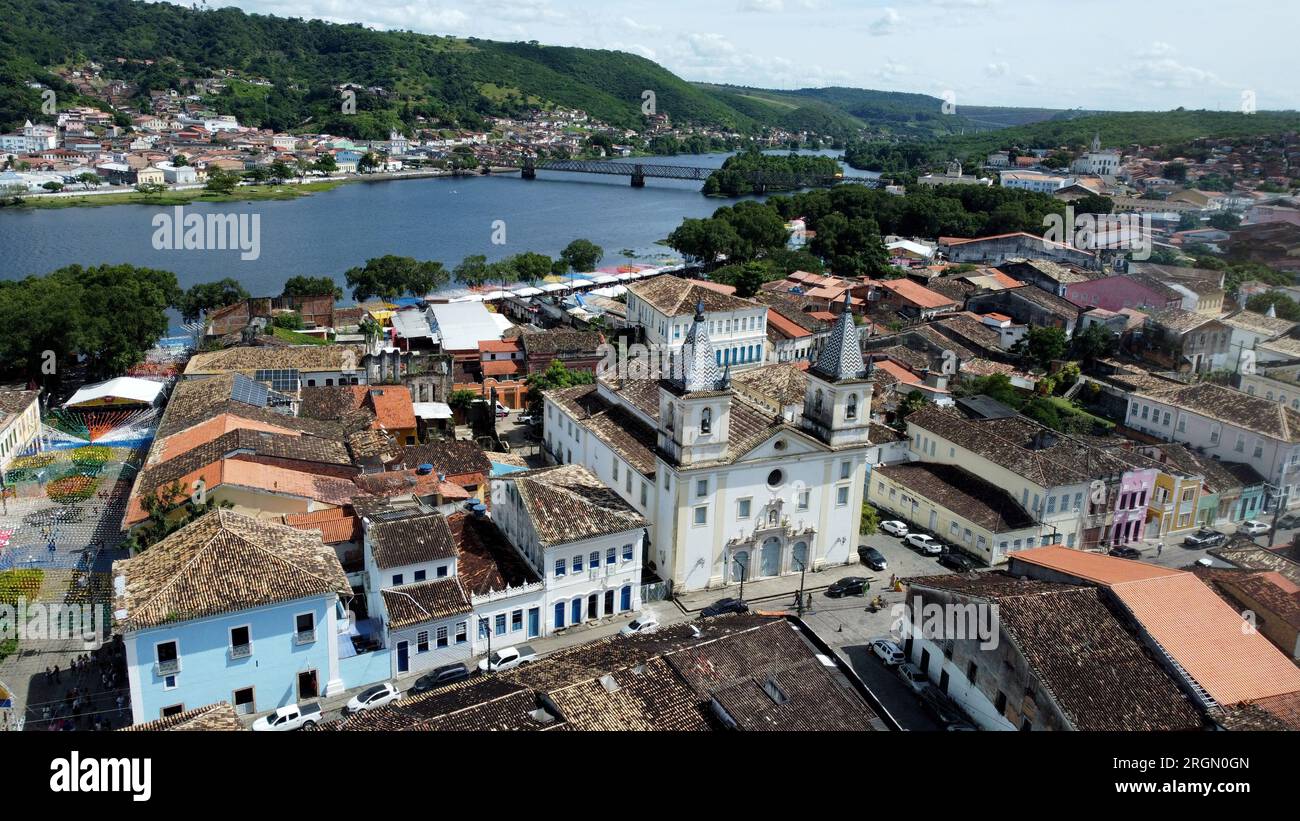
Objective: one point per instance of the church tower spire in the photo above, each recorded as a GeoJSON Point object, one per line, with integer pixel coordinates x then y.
{"type": "Point", "coordinates": [837, 403]}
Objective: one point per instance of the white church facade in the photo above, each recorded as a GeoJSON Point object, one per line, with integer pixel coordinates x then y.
{"type": "Point", "coordinates": [730, 489]}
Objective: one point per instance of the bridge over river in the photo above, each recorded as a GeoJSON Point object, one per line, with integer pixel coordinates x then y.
{"type": "Point", "coordinates": [639, 172]}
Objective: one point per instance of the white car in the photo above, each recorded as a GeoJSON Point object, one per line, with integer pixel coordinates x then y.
{"type": "Point", "coordinates": [888, 652]}
{"type": "Point", "coordinates": [639, 626]}
{"type": "Point", "coordinates": [374, 697]}
{"type": "Point", "coordinates": [1253, 527]}
{"type": "Point", "coordinates": [914, 678]}
{"type": "Point", "coordinates": [894, 527]}
{"type": "Point", "coordinates": [928, 545]}
{"type": "Point", "coordinates": [291, 717]}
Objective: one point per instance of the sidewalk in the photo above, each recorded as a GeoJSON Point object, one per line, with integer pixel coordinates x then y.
{"type": "Point", "coordinates": [781, 589]}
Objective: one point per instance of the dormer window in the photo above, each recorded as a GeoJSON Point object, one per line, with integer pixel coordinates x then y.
{"type": "Point", "coordinates": [706, 420]}
{"type": "Point", "coordinates": [851, 412]}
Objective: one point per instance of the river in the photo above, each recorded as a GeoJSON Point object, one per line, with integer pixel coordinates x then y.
{"type": "Point", "coordinates": [443, 219]}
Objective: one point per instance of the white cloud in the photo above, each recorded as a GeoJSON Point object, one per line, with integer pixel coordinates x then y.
{"type": "Point", "coordinates": [886, 24]}
{"type": "Point", "coordinates": [997, 69]}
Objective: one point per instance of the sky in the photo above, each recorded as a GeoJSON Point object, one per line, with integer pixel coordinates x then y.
{"type": "Point", "coordinates": [1097, 54]}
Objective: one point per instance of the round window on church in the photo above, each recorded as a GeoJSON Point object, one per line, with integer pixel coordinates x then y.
{"type": "Point", "coordinates": [775, 478]}
{"type": "Point", "coordinates": [779, 444]}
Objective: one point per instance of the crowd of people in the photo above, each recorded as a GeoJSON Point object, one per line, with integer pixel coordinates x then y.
{"type": "Point", "coordinates": [90, 694]}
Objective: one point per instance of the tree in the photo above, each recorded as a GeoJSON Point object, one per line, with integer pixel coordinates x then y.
{"type": "Point", "coordinates": [326, 164]}
{"type": "Point", "coordinates": [460, 400]}
{"type": "Point", "coordinates": [869, 521]}
{"type": "Point", "coordinates": [279, 171]}
{"type": "Point", "coordinates": [1042, 345]}
{"type": "Point", "coordinates": [473, 270]}
{"type": "Point", "coordinates": [290, 320]}
{"type": "Point", "coordinates": [52, 186]}
{"type": "Point", "coordinates": [1093, 343]}
{"type": "Point", "coordinates": [704, 240]}
{"type": "Point", "coordinates": [257, 175]}
{"type": "Point", "coordinates": [208, 296]}
{"type": "Point", "coordinates": [89, 179]}
{"type": "Point", "coordinates": [1284, 306]}
{"type": "Point", "coordinates": [554, 377]}
{"type": "Point", "coordinates": [582, 255]}
{"type": "Point", "coordinates": [221, 181]}
{"type": "Point", "coordinates": [368, 162]}
{"type": "Point", "coordinates": [170, 508]}
{"type": "Point", "coordinates": [390, 276]}
{"type": "Point", "coordinates": [151, 190]}
{"type": "Point", "coordinates": [913, 402]}
{"type": "Point", "coordinates": [530, 266]}
{"type": "Point", "coordinates": [1225, 221]}
{"type": "Point", "coordinates": [311, 286]}
{"type": "Point", "coordinates": [109, 316]}
{"type": "Point", "coordinates": [997, 387]}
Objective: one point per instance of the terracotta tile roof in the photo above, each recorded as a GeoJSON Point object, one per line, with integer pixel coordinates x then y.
{"type": "Point", "coordinates": [1095, 670]}
{"type": "Point", "coordinates": [334, 525]}
{"type": "Point", "coordinates": [917, 294]}
{"type": "Point", "coordinates": [199, 400]}
{"type": "Point", "coordinates": [499, 345]}
{"type": "Point", "coordinates": [1281, 712]}
{"type": "Point", "coordinates": [673, 296]}
{"type": "Point", "coordinates": [399, 482]}
{"type": "Point", "coordinates": [223, 562]}
{"type": "Point", "coordinates": [292, 447]}
{"type": "Point", "coordinates": [1093, 567]}
{"type": "Point", "coordinates": [651, 697]}
{"type": "Point", "coordinates": [1253, 413]}
{"type": "Point", "coordinates": [961, 492]}
{"type": "Point", "coordinates": [1200, 631]}
{"type": "Point", "coordinates": [219, 716]}
{"type": "Point", "coordinates": [622, 431]}
{"type": "Point", "coordinates": [204, 432]}
{"type": "Point", "coordinates": [411, 540]}
{"type": "Point", "coordinates": [391, 405]}
{"type": "Point", "coordinates": [560, 343]}
{"type": "Point", "coordinates": [486, 561]}
{"type": "Point", "coordinates": [299, 357]}
{"type": "Point", "coordinates": [452, 458]}
{"type": "Point", "coordinates": [785, 327]}
{"type": "Point", "coordinates": [413, 604]}
{"type": "Point", "coordinates": [567, 503]}
{"type": "Point", "coordinates": [781, 383]}
{"type": "Point", "coordinates": [481, 704]}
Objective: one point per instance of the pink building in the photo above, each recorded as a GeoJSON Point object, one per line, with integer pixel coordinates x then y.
{"type": "Point", "coordinates": [1124, 291]}
{"type": "Point", "coordinates": [1135, 489]}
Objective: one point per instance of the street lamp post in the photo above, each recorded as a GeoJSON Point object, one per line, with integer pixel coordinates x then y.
{"type": "Point", "coordinates": [798, 600]}
{"type": "Point", "coordinates": [743, 574]}
{"type": "Point", "coordinates": [1284, 499]}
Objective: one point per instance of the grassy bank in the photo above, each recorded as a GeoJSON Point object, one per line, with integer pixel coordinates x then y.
{"type": "Point", "coordinates": [243, 194]}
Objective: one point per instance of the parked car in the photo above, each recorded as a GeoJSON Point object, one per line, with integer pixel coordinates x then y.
{"type": "Point", "coordinates": [1205, 537]}
{"type": "Point", "coordinates": [289, 717]}
{"type": "Point", "coordinates": [373, 697]}
{"type": "Point", "coordinates": [528, 419]}
{"type": "Point", "coordinates": [1288, 522]}
{"type": "Point", "coordinates": [942, 707]}
{"type": "Point", "coordinates": [446, 674]}
{"type": "Point", "coordinates": [1125, 552]}
{"type": "Point", "coordinates": [502, 411]}
{"type": "Point", "coordinates": [928, 545]}
{"type": "Point", "coordinates": [912, 676]}
{"type": "Point", "coordinates": [888, 652]}
{"type": "Point", "coordinates": [1253, 527]}
{"type": "Point", "coordinates": [872, 558]}
{"type": "Point", "coordinates": [723, 606]}
{"type": "Point", "coordinates": [849, 586]}
{"type": "Point", "coordinates": [639, 626]}
{"type": "Point", "coordinates": [894, 527]}
{"type": "Point", "coordinates": [507, 658]}
{"type": "Point", "coordinates": [956, 561]}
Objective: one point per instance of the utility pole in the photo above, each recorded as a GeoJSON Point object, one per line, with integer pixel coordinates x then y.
{"type": "Point", "coordinates": [798, 600]}
{"type": "Point", "coordinates": [1283, 500]}
{"type": "Point", "coordinates": [743, 574]}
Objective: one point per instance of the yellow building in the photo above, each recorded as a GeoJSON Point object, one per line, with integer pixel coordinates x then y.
{"type": "Point", "coordinates": [1172, 508]}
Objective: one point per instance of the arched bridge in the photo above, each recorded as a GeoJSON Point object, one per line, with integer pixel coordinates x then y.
{"type": "Point", "coordinates": [640, 172]}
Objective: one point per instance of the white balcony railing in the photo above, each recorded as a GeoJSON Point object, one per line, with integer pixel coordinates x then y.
{"type": "Point", "coordinates": [304, 637]}
{"type": "Point", "coordinates": [241, 651]}
{"type": "Point", "coordinates": [167, 668]}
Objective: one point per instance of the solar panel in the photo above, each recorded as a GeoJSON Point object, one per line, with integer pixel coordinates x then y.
{"type": "Point", "coordinates": [243, 389]}
{"type": "Point", "coordinates": [285, 379]}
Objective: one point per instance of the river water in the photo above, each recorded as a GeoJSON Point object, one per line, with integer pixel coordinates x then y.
{"type": "Point", "coordinates": [443, 219]}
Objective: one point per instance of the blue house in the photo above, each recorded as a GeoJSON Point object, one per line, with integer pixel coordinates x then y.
{"type": "Point", "coordinates": [235, 609]}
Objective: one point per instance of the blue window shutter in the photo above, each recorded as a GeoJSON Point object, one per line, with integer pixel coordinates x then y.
{"type": "Point", "coordinates": [626, 602]}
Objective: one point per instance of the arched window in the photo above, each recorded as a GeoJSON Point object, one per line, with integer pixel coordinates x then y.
{"type": "Point", "coordinates": [817, 401]}
{"type": "Point", "coordinates": [851, 412]}
{"type": "Point", "coordinates": [706, 420]}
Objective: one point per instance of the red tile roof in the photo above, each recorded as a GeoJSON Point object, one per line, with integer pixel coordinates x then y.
{"type": "Point", "coordinates": [916, 294]}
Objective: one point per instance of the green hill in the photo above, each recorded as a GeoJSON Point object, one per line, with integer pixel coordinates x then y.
{"type": "Point", "coordinates": [1165, 128]}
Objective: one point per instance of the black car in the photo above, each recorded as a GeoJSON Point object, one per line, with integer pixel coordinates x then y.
{"type": "Point", "coordinates": [1288, 522]}
{"type": "Point", "coordinates": [1125, 552]}
{"type": "Point", "coordinates": [442, 675]}
{"type": "Point", "coordinates": [724, 606]}
{"type": "Point", "coordinates": [849, 586]}
{"type": "Point", "coordinates": [872, 558]}
{"type": "Point", "coordinates": [1205, 537]}
{"type": "Point", "coordinates": [957, 562]}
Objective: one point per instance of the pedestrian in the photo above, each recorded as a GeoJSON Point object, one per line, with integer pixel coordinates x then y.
{"type": "Point", "coordinates": [120, 703]}
{"type": "Point", "coordinates": [56, 674]}
{"type": "Point", "coordinates": [1160, 548]}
